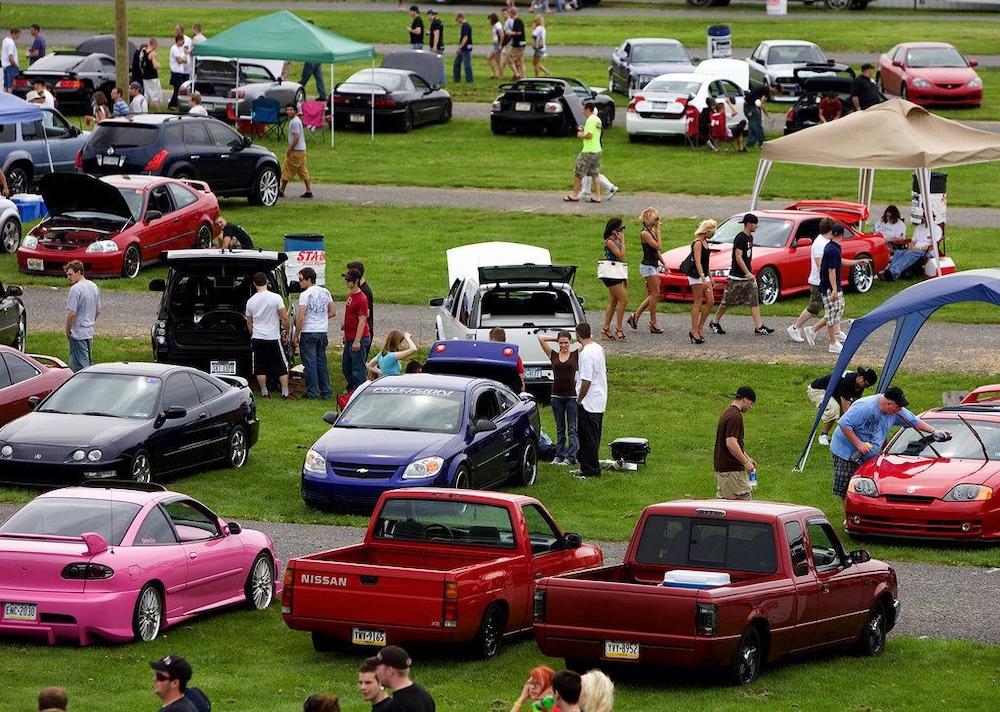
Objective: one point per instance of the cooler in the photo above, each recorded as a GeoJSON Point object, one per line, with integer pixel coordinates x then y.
{"type": "Point", "coordinates": [682, 578]}
{"type": "Point", "coordinates": [29, 206]}
{"type": "Point", "coordinates": [720, 42]}
{"type": "Point", "coordinates": [305, 250]}
{"type": "Point", "coordinates": [630, 449]}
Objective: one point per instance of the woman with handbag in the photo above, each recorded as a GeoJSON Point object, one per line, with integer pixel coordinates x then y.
{"type": "Point", "coordinates": [649, 268]}
{"type": "Point", "coordinates": [695, 266]}
{"type": "Point", "coordinates": [613, 271]}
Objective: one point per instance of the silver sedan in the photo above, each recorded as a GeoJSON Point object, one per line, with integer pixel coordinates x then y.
{"type": "Point", "coordinates": [215, 80]}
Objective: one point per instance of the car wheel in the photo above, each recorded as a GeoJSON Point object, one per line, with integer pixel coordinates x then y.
{"type": "Point", "coordinates": [22, 332]}
{"type": "Point", "coordinates": [204, 238]}
{"type": "Point", "coordinates": [10, 235]}
{"type": "Point", "coordinates": [497, 129]}
{"type": "Point", "coordinates": [406, 124]}
{"type": "Point", "coordinates": [903, 93]}
{"type": "Point", "coordinates": [490, 635]}
{"type": "Point", "coordinates": [837, 4]}
{"type": "Point", "coordinates": [259, 588]}
{"type": "Point", "coordinates": [862, 275]}
{"type": "Point", "coordinates": [859, 4]}
{"type": "Point", "coordinates": [446, 114]}
{"type": "Point", "coordinates": [745, 665]}
{"type": "Point", "coordinates": [300, 96]}
{"type": "Point", "coordinates": [131, 262]}
{"type": "Point", "coordinates": [608, 119]}
{"type": "Point", "coordinates": [238, 449]}
{"type": "Point", "coordinates": [18, 179]}
{"type": "Point", "coordinates": [265, 187]}
{"type": "Point", "coordinates": [142, 468]}
{"type": "Point", "coordinates": [872, 640]}
{"type": "Point", "coordinates": [719, 3]}
{"type": "Point", "coordinates": [699, 3]}
{"type": "Point", "coordinates": [528, 472]}
{"type": "Point", "coordinates": [768, 285]}
{"type": "Point", "coordinates": [633, 138]}
{"type": "Point", "coordinates": [148, 615]}
{"type": "Point", "coordinates": [461, 478]}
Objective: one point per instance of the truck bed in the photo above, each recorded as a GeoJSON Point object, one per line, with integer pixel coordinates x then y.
{"type": "Point", "coordinates": [400, 557]}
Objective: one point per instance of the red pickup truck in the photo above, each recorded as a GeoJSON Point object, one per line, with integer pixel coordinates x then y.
{"type": "Point", "coordinates": [449, 566]}
{"type": "Point", "coordinates": [719, 583]}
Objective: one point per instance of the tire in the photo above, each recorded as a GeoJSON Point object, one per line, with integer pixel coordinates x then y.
{"type": "Point", "coordinates": [634, 138]}
{"type": "Point", "coordinates": [406, 125]}
{"type": "Point", "coordinates": [141, 468]}
{"type": "Point", "coordinates": [607, 121]}
{"type": "Point", "coordinates": [259, 588]}
{"type": "Point", "coordinates": [859, 5]}
{"type": "Point", "coordinates": [18, 179]}
{"type": "Point", "coordinates": [147, 617]}
{"type": "Point", "coordinates": [131, 262]}
{"type": "Point", "coordinates": [22, 332]}
{"type": "Point", "coordinates": [10, 235]}
{"type": "Point", "coordinates": [264, 189]}
{"type": "Point", "coordinates": [183, 174]}
{"type": "Point", "coordinates": [446, 114]}
{"type": "Point", "coordinates": [489, 638]}
{"type": "Point", "coordinates": [527, 473]}
{"type": "Point", "coordinates": [238, 449]}
{"type": "Point", "coordinates": [745, 665]}
{"type": "Point", "coordinates": [699, 3]}
{"type": "Point", "coordinates": [204, 237]}
{"type": "Point", "coordinates": [497, 129]}
{"type": "Point", "coordinates": [837, 4]}
{"type": "Point", "coordinates": [719, 3]}
{"type": "Point", "coordinates": [461, 478]}
{"type": "Point", "coordinates": [768, 286]}
{"type": "Point", "coordinates": [862, 276]}
{"type": "Point", "coordinates": [871, 643]}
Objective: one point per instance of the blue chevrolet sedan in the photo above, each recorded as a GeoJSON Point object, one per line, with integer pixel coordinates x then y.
{"type": "Point", "coordinates": [458, 424]}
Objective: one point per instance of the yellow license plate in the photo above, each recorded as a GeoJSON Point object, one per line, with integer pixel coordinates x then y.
{"type": "Point", "coordinates": [621, 650]}
{"type": "Point", "coordinates": [20, 612]}
{"type": "Point", "coordinates": [362, 636]}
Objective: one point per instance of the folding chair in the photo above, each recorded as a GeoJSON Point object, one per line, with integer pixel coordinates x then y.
{"type": "Point", "coordinates": [314, 119]}
{"type": "Point", "coordinates": [266, 112]}
{"type": "Point", "coordinates": [691, 136]}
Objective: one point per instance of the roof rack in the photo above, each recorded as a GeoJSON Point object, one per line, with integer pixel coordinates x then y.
{"type": "Point", "coordinates": [125, 485]}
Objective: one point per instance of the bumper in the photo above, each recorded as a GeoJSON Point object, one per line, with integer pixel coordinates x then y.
{"type": "Point", "coordinates": [678, 652]}
{"type": "Point", "coordinates": [394, 635]}
{"type": "Point", "coordinates": [527, 120]}
{"type": "Point", "coordinates": [942, 521]}
{"type": "Point", "coordinates": [939, 96]}
{"type": "Point", "coordinates": [72, 616]}
{"type": "Point", "coordinates": [54, 261]}
{"type": "Point", "coordinates": [42, 473]}
{"type": "Point", "coordinates": [201, 357]}
{"type": "Point", "coordinates": [637, 125]}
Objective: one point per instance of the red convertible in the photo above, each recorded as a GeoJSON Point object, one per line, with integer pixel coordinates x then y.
{"type": "Point", "coordinates": [918, 488]}
{"type": "Point", "coordinates": [930, 74]}
{"type": "Point", "coordinates": [781, 251]}
{"type": "Point", "coordinates": [24, 377]}
{"type": "Point", "coordinates": [116, 224]}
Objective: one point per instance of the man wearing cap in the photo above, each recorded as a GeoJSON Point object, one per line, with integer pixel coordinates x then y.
{"type": "Point", "coordinates": [436, 33]}
{"type": "Point", "coordinates": [863, 430]}
{"type": "Point", "coordinates": [849, 388]}
{"type": "Point", "coordinates": [742, 285]}
{"type": "Point", "coordinates": [357, 332]}
{"type": "Point", "coordinates": [172, 674]}
{"type": "Point", "coordinates": [416, 28]}
{"type": "Point", "coordinates": [392, 668]}
{"type": "Point", "coordinates": [864, 93]}
{"type": "Point", "coordinates": [732, 464]}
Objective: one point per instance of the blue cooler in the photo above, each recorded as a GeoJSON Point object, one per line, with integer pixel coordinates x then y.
{"type": "Point", "coordinates": [682, 578]}
{"type": "Point", "coordinates": [305, 250]}
{"type": "Point", "coordinates": [30, 206]}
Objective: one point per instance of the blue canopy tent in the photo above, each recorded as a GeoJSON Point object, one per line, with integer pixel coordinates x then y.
{"type": "Point", "coordinates": [15, 110]}
{"type": "Point", "coordinates": [910, 309]}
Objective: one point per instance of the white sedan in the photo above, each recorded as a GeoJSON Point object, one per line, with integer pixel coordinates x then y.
{"type": "Point", "coordinates": [658, 108]}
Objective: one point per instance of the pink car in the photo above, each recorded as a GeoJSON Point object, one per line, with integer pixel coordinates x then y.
{"type": "Point", "coordinates": [122, 561]}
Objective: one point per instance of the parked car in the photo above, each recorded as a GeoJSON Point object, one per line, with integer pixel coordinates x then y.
{"type": "Point", "coordinates": [105, 44]}
{"type": "Point", "coordinates": [116, 224]}
{"type": "Point", "coordinates": [120, 562]}
{"type": "Point", "coordinates": [773, 62]}
{"type": "Point", "coordinates": [200, 321]}
{"type": "Point", "coordinates": [13, 317]}
{"type": "Point", "coordinates": [930, 74]}
{"type": "Point", "coordinates": [184, 146]}
{"type": "Point", "coordinates": [636, 61]}
{"type": "Point", "coordinates": [831, 4]}
{"type": "Point", "coordinates": [136, 421]}
{"type": "Point", "coordinates": [403, 99]}
{"type": "Point", "coordinates": [780, 257]}
{"type": "Point", "coordinates": [459, 424]}
{"type": "Point", "coordinates": [553, 105]}
{"type": "Point", "coordinates": [10, 226]}
{"type": "Point", "coordinates": [512, 286]}
{"type": "Point", "coordinates": [73, 76]}
{"type": "Point", "coordinates": [805, 111]}
{"type": "Point", "coordinates": [215, 80]}
{"type": "Point", "coordinates": [719, 584]}
{"type": "Point", "coordinates": [24, 156]}
{"type": "Point", "coordinates": [659, 108]}
{"type": "Point", "coordinates": [921, 489]}
{"type": "Point", "coordinates": [435, 566]}
{"type": "Point", "coordinates": [25, 379]}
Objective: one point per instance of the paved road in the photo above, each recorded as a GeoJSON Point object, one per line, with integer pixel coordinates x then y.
{"type": "Point", "coordinates": [948, 602]}
{"type": "Point", "coordinates": [940, 346]}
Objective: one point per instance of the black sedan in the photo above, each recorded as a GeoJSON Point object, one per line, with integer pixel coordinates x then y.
{"type": "Point", "coordinates": [402, 97]}
{"type": "Point", "coordinates": [139, 421]}
{"type": "Point", "coordinates": [73, 76]}
{"type": "Point", "coordinates": [553, 105]}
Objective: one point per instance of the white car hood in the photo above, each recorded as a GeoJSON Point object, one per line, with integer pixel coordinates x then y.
{"type": "Point", "coordinates": [467, 259]}
{"type": "Point", "coordinates": [735, 70]}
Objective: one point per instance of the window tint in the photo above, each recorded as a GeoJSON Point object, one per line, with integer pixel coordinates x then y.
{"type": "Point", "coordinates": [19, 369]}
{"type": "Point", "coordinates": [194, 133]}
{"type": "Point", "coordinates": [452, 299]}
{"type": "Point", "coordinates": [206, 389]}
{"type": "Point", "coordinates": [179, 390]}
{"type": "Point", "coordinates": [541, 532]}
{"type": "Point", "coordinates": [458, 523]}
{"type": "Point", "coordinates": [418, 83]}
{"type": "Point", "coordinates": [173, 135]}
{"type": "Point", "coordinates": [121, 135]}
{"type": "Point", "coordinates": [155, 530]}
{"type": "Point", "coordinates": [112, 394]}
{"type": "Point", "coordinates": [797, 548]}
{"type": "Point", "coordinates": [182, 196]}
{"type": "Point", "coordinates": [808, 228]}
{"type": "Point", "coordinates": [507, 400]}
{"type": "Point", "coordinates": [107, 64]}
{"type": "Point", "coordinates": [221, 134]}
{"type": "Point", "coordinates": [4, 377]}
{"type": "Point", "coordinates": [31, 130]}
{"type": "Point", "coordinates": [8, 132]}
{"type": "Point", "coordinates": [253, 74]}
{"type": "Point", "coordinates": [159, 199]}
{"type": "Point", "coordinates": [191, 523]}
{"type": "Point", "coordinates": [486, 406]}
{"type": "Point", "coordinates": [826, 555]}
{"type": "Point", "coordinates": [704, 543]}
{"type": "Point", "coordinates": [69, 516]}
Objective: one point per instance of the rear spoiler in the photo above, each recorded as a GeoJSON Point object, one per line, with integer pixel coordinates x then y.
{"type": "Point", "coordinates": [991, 393]}
{"type": "Point", "coordinates": [94, 542]}
{"type": "Point", "coordinates": [50, 361]}
{"type": "Point", "coordinates": [198, 185]}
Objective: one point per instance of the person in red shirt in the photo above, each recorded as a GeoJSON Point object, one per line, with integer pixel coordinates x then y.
{"type": "Point", "coordinates": [499, 335]}
{"type": "Point", "coordinates": [357, 333]}
{"type": "Point", "coordinates": [830, 107]}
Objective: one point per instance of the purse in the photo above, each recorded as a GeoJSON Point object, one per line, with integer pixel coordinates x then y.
{"type": "Point", "coordinates": [612, 269]}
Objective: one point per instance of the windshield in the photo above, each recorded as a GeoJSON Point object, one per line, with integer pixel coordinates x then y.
{"type": "Point", "coordinates": [452, 522]}
{"type": "Point", "coordinates": [771, 232]}
{"type": "Point", "coordinates": [388, 407]}
{"type": "Point", "coordinates": [674, 86]}
{"type": "Point", "coordinates": [384, 79]}
{"type": "Point", "coordinates": [703, 543]}
{"type": "Point", "coordinates": [962, 446]}
{"type": "Point", "coordinates": [795, 54]}
{"type": "Point", "coordinates": [107, 134]}
{"type": "Point", "coordinates": [660, 53]}
{"type": "Point", "coordinates": [134, 199]}
{"type": "Point", "coordinates": [935, 57]}
{"type": "Point", "coordinates": [111, 394]}
{"type": "Point", "coordinates": [66, 516]}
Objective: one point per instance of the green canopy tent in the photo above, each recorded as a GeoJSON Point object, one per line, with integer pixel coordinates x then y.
{"type": "Point", "coordinates": [284, 35]}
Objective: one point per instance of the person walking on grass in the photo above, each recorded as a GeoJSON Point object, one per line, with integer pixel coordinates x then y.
{"type": "Point", "coordinates": [829, 286]}
{"type": "Point", "coordinates": [815, 306]}
{"type": "Point", "coordinates": [493, 55]}
{"type": "Point", "coordinates": [649, 268]}
{"type": "Point", "coordinates": [295, 157]}
{"type": "Point", "coordinates": [565, 364]}
{"type": "Point", "coordinates": [83, 306]}
{"type": "Point", "coordinates": [732, 464]}
{"type": "Point", "coordinates": [614, 250]}
{"type": "Point", "coordinates": [357, 332]}
{"type": "Point", "coordinates": [517, 42]}
{"type": "Point", "coordinates": [591, 400]}
{"type": "Point", "coordinates": [538, 40]}
{"type": "Point", "coordinates": [268, 324]}
{"type": "Point", "coordinates": [312, 323]}
{"type": "Point", "coordinates": [416, 28]}
{"type": "Point", "coordinates": [849, 388]}
{"type": "Point", "coordinates": [742, 286]}
{"type": "Point", "coordinates": [463, 53]}
{"type": "Point", "coordinates": [588, 161]}
{"type": "Point", "coordinates": [700, 280]}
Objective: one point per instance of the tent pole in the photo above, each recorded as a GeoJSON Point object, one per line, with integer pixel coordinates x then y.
{"type": "Point", "coordinates": [237, 111]}
{"type": "Point", "coordinates": [924, 183]}
{"type": "Point", "coordinates": [333, 102]}
{"type": "Point", "coordinates": [758, 182]}
{"type": "Point", "coordinates": [373, 98]}
{"type": "Point", "coordinates": [48, 152]}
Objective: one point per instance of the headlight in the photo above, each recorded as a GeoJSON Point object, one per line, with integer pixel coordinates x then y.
{"type": "Point", "coordinates": [6, 451]}
{"type": "Point", "coordinates": [102, 247]}
{"type": "Point", "coordinates": [161, 340]}
{"type": "Point", "coordinates": [78, 455]}
{"type": "Point", "coordinates": [29, 242]}
{"type": "Point", "coordinates": [161, 324]}
{"type": "Point", "coordinates": [922, 84]}
{"type": "Point", "coordinates": [315, 463]}
{"type": "Point", "coordinates": [425, 467]}
{"type": "Point", "coordinates": [94, 455]}
{"type": "Point", "coordinates": [968, 493]}
{"type": "Point", "coordinates": [720, 272]}
{"type": "Point", "coordinates": [864, 486]}
{"type": "Point", "coordinates": [975, 83]}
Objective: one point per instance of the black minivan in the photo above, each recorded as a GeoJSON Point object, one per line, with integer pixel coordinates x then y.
{"type": "Point", "coordinates": [185, 146]}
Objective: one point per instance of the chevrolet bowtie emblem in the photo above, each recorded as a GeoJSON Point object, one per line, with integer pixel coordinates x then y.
{"type": "Point", "coordinates": [362, 470]}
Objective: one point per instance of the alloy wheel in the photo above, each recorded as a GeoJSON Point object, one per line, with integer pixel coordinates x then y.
{"type": "Point", "coordinates": [237, 448]}
{"type": "Point", "coordinates": [767, 282]}
{"type": "Point", "coordinates": [11, 237]}
{"type": "Point", "coordinates": [749, 659]}
{"type": "Point", "coordinates": [862, 277]}
{"type": "Point", "coordinates": [267, 187]}
{"type": "Point", "coordinates": [142, 471]}
{"type": "Point", "coordinates": [261, 584]}
{"type": "Point", "coordinates": [149, 614]}
{"type": "Point", "coordinates": [17, 180]}
{"type": "Point", "coordinates": [22, 332]}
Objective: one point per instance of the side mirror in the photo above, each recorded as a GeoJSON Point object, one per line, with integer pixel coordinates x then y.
{"type": "Point", "coordinates": [436, 302]}
{"type": "Point", "coordinates": [860, 556]}
{"type": "Point", "coordinates": [175, 412]}
{"type": "Point", "coordinates": [571, 540]}
{"type": "Point", "coordinates": [581, 300]}
{"type": "Point", "coordinates": [973, 62]}
{"type": "Point", "coordinates": [151, 215]}
{"type": "Point", "coordinates": [330, 417]}
{"type": "Point", "coordinates": [897, 63]}
{"type": "Point", "coordinates": [695, 60]}
{"type": "Point", "coordinates": [484, 426]}
{"type": "Point", "coordinates": [247, 143]}
{"type": "Point", "coordinates": [234, 528]}
{"type": "Point", "coordinates": [157, 285]}
{"type": "Point", "coordinates": [74, 131]}
{"type": "Point", "coordinates": [14, 291]}
{"type": "Point", "coordinates": [526, 397]}
{"type": "Point", "coordinates": [236, 144]}
{"type": "Point", "coordinates": [802, 242]}
{"type": "Point", "coordinates": [33, 401]}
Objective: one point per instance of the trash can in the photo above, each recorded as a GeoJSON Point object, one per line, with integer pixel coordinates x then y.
{"type": "Point", "coordinates": [939, 199]}
{"type": "Point", "coordinates": [720, 42]}
{"type": "Point", "coordinates": [305, 250]}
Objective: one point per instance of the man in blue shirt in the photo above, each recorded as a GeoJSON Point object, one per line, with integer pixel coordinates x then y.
{"type": "Point", "coordinates": [830, 267]}
{"type": "Point", "coordinates": [37, 50]}
{"type": "Point", "coordinates": [463, 53]}
{"type": "Point", "coordinates": [864, 429]}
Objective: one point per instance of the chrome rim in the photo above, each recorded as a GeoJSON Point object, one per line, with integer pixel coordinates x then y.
{"type": "Point", "coordinates": [491, 633]}
{"type": "Point", "coordinates": [238, 448]}
{"type": "Point", "coordinates": [141, 471]}
{"type": "Point", "coordinates": [876, 632]}
{"type": "Point", "coordinates": [149, 614]}
{"type": "Point", "coordinates": [768, 287]}
{"type": "Point", "coordinates": [749, 653]}
{"type": "Point", "coordinates": [17, 181]}
{"type": "Point", "coordinates": [267, 188]}
{"type": "Point", "coordinates": [529, 466]}
{"type": "Point", "coordinates": [863, 277]}
{"type": "Point", "coordinates": [461, 480]}
{"type": "Point", "coordinates": [22, 332]}
{"type": "Point", "coordinates": [11, 236]}
{"type": "Point", "coordinates": [838, 4]}
{"type": "Point", "coordinates": [261, 584]}
{"type": "Point", "coordinates": [204, 237]}
{"type": "Point", "coordinates": [131, 262]}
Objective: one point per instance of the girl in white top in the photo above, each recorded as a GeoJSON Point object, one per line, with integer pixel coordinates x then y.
{"type": "Point", "coordinates": [892, 227]}
{"type": "Point", "coordinates": [538, 42]}
{"type": "Point", "coordinates": [493, 56]}
{"type": "Point", "coordinates": [736, 123]}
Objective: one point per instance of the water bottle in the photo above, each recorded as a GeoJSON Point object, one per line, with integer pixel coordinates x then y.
{"type": "Point", "coordinates": [752, 476]}
{"type": "Point", "coordinates": [859, 456]}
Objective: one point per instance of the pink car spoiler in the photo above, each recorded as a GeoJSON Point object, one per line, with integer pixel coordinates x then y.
{"type": "Point", "coordinates": [983, 394]}
{"type": "Point", "coordinates": [94, 542]}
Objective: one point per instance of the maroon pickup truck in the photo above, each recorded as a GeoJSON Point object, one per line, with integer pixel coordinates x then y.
{"type": "Point", "coordinates": [719, 583]}
{"type": "Point", "coordinates": [437, 565]}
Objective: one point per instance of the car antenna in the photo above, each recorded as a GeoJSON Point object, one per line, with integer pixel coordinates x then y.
{"type": "Point", "coordinates": [986, 455]}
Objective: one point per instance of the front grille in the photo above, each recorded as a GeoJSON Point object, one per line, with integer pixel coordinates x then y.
{"type": "Point", "coordinates": [949, 86]}
{"type": "Point", "coordinates": [367, 472]}
{"type": "Point", "coordinates": [907, 499]}
{"type": "Point", "coordinates": [919, 526]}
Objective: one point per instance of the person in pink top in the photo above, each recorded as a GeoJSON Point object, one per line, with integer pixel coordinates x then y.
{"type": "Point", "coordinates": [357, 332]}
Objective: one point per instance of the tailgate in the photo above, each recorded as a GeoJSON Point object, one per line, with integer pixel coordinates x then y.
{"type": "Point", "coordinates": [32, 565]}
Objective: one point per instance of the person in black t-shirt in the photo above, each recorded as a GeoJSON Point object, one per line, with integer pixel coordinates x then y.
{"type": "Point", "coordinates": [172, 674]}
{"type": "Point", "coordinates": [517, 44]}
{"type": "Point", "coordinates": [864, 93]}
{"type": "Point", "coordinates": [850, 387]}
{"type": "Point", "coordinates": [416, 28]}
{"type": "Point", "coordinates": [393, 671]}
{"type": "Point", "coordinates": [463, 53]}
{"type": "Point", "coordinates": [435, 34]}
{"type": "Point", "coordinates": [742, 285]}
{"type": "Point", "coordinates": [230, 233]}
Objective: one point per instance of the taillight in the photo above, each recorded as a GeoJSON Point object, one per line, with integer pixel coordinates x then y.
{"type": "Point", "coordinates": [69, 84]}
{"type": "Point", "coordinates": [21, 83]}
{"type": "Point", "coordinates": [449, 605]}
{"type": "Point", "coordinates": [706, 619]}
{"type": "Point", "coordinates": [87, 572]}
{"type": "Point", "coordinates": [790, 116]}
{"type": "Point", "coordinates": [78, 162]}
{"type": "Point", "coordinates": [156, 162]}
{"type": "Point", "coordinates": [635, 100]}
{"type": "Point", "coordinates": [553, 107]}
{"type": "Point", "coordinates": [683, 101]}
{"type": "Point", "coordinates": [340, 100]}
{"type": "Point", "coordinates": [495, 106]}
{"type": "Point", "coordinates": [286, 592]}
{"type": "Point", "coordinates": [384, 102]}
{"type": "Point", "coordinates": [538, 609]}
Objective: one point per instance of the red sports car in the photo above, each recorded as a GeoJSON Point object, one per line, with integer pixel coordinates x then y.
{"type": "Point", "coordinates": [781, 251]}
{"type": "Point", "coordinates": [26, 376]}
{"type": "Point", "coordinates": [918, 488]}
{"type": "Point", "coordinates": [116, 224]}
{"type": "Point", "coordinates": [930, 74]}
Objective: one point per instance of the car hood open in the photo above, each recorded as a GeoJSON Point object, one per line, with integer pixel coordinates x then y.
{"type": "Point", "coordinates": [70, 430]}
{"type": "Point", "coordinates": [426, 65]}
{"type": "Point", "coordinates": [72, 192]}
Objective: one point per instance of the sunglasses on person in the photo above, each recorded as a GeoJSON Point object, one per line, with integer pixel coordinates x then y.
{"type": "Point", "coordinates": [163, 677]}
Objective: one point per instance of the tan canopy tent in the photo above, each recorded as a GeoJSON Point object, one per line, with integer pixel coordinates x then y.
{"type": "Point", "coordinates": [894, 134]}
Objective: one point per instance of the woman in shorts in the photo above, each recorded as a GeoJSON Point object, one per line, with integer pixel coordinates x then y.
{"type": "Point", "coordinates": [493, 56]}
{"type": "Point", "coordinates": [649, 268]}
{"type": "Point", "coordinates": [538, 35]}
{"type": "Point", "coordinates": [614, 249]}
{"type": "Point", "coordinates": [700, 280]}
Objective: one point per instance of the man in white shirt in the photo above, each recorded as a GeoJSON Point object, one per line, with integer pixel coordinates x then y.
{"type": "Point", "coordinates": [180, 55]}
{"type": "Point", "coordinates": [8, 59]}
{"type": "Point", "coordinates": [267, 319]}
{"type": "Point", "coordinates": [197, 38]}
{"type": "Point", "coordinates": [48, 101]}
{"type": "Point", "coordinates": [815, 306]}
{"type": "Point", "coordinates": [592, 399]}
{"type": "Point", "coordinates": [312, 319]}
{"type": "Point", "coordinates": [197, 109]}
{"type": "Point", "coordinates": [188, 44]}
{"type": "Point", "coordinates": [137, 103]}
{"type": "Point", "coordinates": [295, 157]}
{"type": "Point", "coordinates": [915, 251]}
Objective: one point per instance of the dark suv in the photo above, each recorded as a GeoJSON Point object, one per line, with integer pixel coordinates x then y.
{"type": "Point", "coordinates": [184, 147]}
{"type": "Point", "coordinates": [201, 320]}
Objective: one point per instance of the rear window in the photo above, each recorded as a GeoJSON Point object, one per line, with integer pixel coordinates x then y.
{"type": "Point", "coordinates": [119, 135]}
{"type": "Point", "coordinates": [57, 62]}
{"type": "Point", "coordinates": [674, 86]}
{"type": "Point", "coordinates": [450, 522]}
{"type": "Point", "coordinates": [684, 542]}
{"type": "Point", "coordinates": [362, 81]}
{"type": "Point", "coordinates": [66, 516]}
{"type": "Point", "coordinates": [517, 306]}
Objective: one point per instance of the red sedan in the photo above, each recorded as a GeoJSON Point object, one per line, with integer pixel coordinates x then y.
{"type": "Point", "coordinates": [781, 251]}
{"type": "Point", "coordinates": [116, 224]}
{"type": "Point", "coordinates": [918, 488]}
{"type": "Point", "coordinates": [23, 376]}
{"type": "Point", "coordinates": [930, 74]}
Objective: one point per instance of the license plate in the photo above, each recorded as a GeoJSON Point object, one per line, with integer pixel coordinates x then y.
{"type": "Point", "coordinates": [110, 160]}
{"type": "Point", "coordinates": [222, 368]}
{"type": "Point", "coordinates": [209, 106]}
{"type": "Point", "coordinates": [522, 106]}
{"type": "Point", "coordinates": [621, 650]}
{"type": "Point", "coordinates": [35, 264]}
{"type": "Point", "coordinates": [357, 118]}
{"type": "Point", "coordinates": [532, 374]}
{"type": "Point", "coordinates": [659, 105]}
{"type": "Point", "coordinates": [20, 612]}
{"type": "Point", "coordinates": [363, 636]}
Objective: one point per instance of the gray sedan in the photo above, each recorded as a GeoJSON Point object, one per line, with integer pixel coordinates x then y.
{"type": "Point", "coordinates": [215, 80]}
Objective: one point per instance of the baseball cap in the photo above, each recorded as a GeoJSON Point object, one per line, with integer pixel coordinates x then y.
{"type": "Point", "coordinates": [135, 85]}
{"type": "Point", "coordinates": [173, 665]}
{"type": "Point", "coordinates": [352, 275]}
{"type": "Point", "coordinates": [749, 218]}
{"type": "Point", "coordinates": [746, 392]}
{"type": "Point", "coordinates": [394, 656]}
{"type": "Point", "coordinates": [869, 375]}
{"type": "Point", "coordinates": [837, 229]}
{"type": "Point", "coordinates": [895, 394]}
{"type": "Point", "coordinates": [32, 96]}
{"type": "Point", "coordinates": [867, 65]}
{"type": "Point", "coordinates": [432, 11]}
